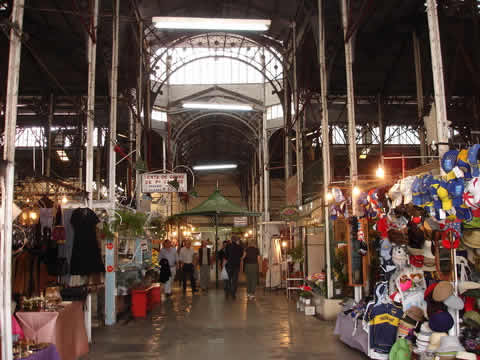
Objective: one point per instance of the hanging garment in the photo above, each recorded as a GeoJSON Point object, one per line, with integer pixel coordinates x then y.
{"type": "Point", "coordinates": [86, 254]}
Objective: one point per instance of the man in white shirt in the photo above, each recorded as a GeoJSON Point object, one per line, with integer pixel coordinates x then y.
{"type": "Point", "coordinates": [186, 261]}
{"type": "Point", "coordinates": [169, 253]}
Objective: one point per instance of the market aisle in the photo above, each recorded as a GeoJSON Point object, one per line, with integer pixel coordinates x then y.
{"type": "Point", "coordinates": [209, 327]}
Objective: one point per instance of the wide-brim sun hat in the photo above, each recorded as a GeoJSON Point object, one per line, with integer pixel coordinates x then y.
{"type": "Point", "coordinates": [435, 340]}
{"type": "Point", "coordinates": [463, 355]}
{"type": "Point", "coordinates": [471, 238]}
{"type": "Point", "coordinates": [449, 344]}
{"type": "Point", "coordinates": [464, 286]}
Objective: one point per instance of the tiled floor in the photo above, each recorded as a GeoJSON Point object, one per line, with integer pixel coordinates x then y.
{"type": "Point", "coordinates": [207, 326]}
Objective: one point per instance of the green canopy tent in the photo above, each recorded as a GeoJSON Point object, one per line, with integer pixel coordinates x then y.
{"type": "Point", "coordinates": [217, 205]}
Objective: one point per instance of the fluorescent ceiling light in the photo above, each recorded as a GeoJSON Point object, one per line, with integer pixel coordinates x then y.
{"type": "Point", "coordinates": [194, 23]}
{"type": "Point", "coordinates": [215, 167]}
{"type": "Point", "coordinates": [214, 106]}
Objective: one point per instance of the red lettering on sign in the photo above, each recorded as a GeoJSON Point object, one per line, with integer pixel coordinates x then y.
{"type": "Point", "coordinates": [109, 268]}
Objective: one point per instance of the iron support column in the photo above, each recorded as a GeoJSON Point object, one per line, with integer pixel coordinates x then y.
{"type": "Point", "coordinates": [51, 110]}
{"type": "Point", "coordinates": [110, 282]}
{"type": "Point", "coordinates": [8, 183]}
{"type": "Point", "coordinates": [351, 117]}
{"type": "Point", "coordinates": [286, 102]}
{"type": "Point", "coordinates": [298, 122]}
{"type": "Point", "coordinates": [92, 64]}
{"type": "Point", "coordinates": [381, 128]}
{"type": "Point", "coordinates": [438, 80]}
{"type": "Point", "coordinates": [138, 128]}
{"type": "Point", "coordinates": [265, 150]}
{"type": "Point", "coordinates": [419, 83]}
{"type": "Point", "coordinates": [325, 141]}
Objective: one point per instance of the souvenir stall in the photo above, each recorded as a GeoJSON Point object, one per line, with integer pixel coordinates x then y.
{"type": "Point", "coordinates": [52, 236]}
{"type": "Point", "coordinates": [414, 252]}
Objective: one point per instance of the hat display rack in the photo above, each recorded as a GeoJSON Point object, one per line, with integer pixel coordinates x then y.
{"type": "Point", "coordinates": [443, 201]}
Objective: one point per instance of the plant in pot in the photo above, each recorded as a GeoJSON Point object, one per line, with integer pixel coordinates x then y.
{"type": "Point", "coordinates": [297, 256]}
{"type": "Point", "coordinates": [129, 226]}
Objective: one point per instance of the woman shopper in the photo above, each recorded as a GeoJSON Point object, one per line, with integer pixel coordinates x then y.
{"type": "Point", "coordinates": [251, 262]}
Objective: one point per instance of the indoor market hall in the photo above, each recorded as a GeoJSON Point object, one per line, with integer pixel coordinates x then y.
{"type": "Point", "coordinates": [241, 179]}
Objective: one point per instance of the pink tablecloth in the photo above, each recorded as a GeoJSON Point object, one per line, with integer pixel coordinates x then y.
{"type": "Point", "coordinates": [65, 329]}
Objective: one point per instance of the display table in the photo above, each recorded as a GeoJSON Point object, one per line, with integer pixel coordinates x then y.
{"type": "Point", "coordinates": [50, 353]}
{"type": "Point", "coordinates": [345, 328]}
{"type": "Point", "coordinates": [65, 329]}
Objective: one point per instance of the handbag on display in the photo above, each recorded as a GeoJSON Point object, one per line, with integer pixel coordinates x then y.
{"type": "Point", "coordinates": [58, 232]}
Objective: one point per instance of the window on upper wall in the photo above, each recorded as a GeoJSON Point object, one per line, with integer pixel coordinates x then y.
{"type": "Point", "coordinates": [202, 65]}
{"type": "Point", "coordinates": [159, 115]}
{"type": "Point", "coordinates": [30, 137]}
{"type": "Point", "coordinates": [401, 135]}
{"type": "Point", "coordinates": [274, 112]}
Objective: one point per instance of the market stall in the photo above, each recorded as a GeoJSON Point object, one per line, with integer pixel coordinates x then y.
{"type": "Point", "coordinates": [413, 252]}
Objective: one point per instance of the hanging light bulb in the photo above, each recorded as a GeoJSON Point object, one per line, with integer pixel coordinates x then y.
{"type": "Point", "coordinates": [174, 233]}
{"type": "Point", "coordinates": [356, 191]}
{"type": "Point", "coordinates": [33, 215]}
{"type": "Point", "coordinates": [284, 244]}
{"type": "Point", "coordinates": [64, 199]}
{"type": "Point", "coordinates": [250, 231]}
{"type": "Point", "coordinates": [329, 196]}
{"type": "Point", "coordinates": [380, 173]}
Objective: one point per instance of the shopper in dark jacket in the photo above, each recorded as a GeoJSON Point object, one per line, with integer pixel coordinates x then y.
{"type": "Point", "coordinates": [234, 256]}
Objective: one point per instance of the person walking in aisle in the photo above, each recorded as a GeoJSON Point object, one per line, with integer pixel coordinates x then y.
{"type": "Point", "coordinates": [170, 254]}
{"type": "Point", "coordinates": [222, 261]}
{"type": "Point", "coordinates": [186, 261]}
{"type": "Point", "coordinates": [205, 263]}
{"type": "Point", "coordinates": [234, 253]}
{"type": "Point", "coordinates": [251, 264]}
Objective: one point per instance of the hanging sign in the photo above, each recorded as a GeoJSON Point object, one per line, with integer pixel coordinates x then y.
{"type": "Point", "coordinates": [164, 183]}
{"type": "Point", "coordinates": [240, 221]}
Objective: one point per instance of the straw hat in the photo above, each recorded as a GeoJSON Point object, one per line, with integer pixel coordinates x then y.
{"type": "Point", "coordinates": [435, 340]}
{"type": "Point", "coordinates": [449, 344]}
{"type": "Point", "coordinates": [466, 355]}
{"type": "Point", "coordinates": [464, 286]}
{"type": "Point", "coordinates": [471, 238]}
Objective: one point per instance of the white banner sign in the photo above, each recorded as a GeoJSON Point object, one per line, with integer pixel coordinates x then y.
{"type": "Point", "coordinates": [240, 221]}
{"type": "Point", "coordinates": [161, 183]}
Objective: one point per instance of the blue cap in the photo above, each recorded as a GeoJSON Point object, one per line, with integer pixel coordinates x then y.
{"type": "Point", "coordinates": [449, 160]}
{"type": "Point", "coordinates": [473, 159]}
{"type": "Point", "coordinates": [455, 189]}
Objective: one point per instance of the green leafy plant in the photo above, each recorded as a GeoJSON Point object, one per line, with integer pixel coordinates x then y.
{"type": "Point", "coordinates": [339, 261]}
{"type": "Point", "coordinates": [306, 294]}
{"type": "Point", "coordinates": [296, 254]}
{"type": "Point", "coordinates": [129, 223]}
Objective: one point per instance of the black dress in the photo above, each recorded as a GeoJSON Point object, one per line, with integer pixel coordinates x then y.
{"type": "Point", "coordinates": [86, 254]}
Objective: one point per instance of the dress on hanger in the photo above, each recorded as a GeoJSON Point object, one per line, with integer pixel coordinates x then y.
{"type": "Point", "coordinates": [86, 254]}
